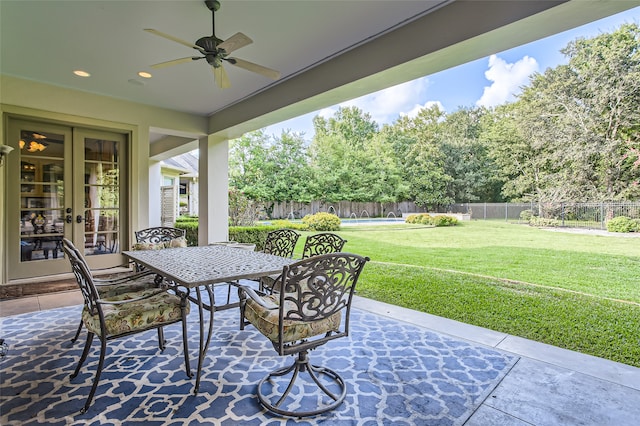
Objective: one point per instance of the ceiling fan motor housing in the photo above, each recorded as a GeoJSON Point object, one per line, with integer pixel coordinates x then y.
{"type": "Point", "coordinates": [209, 44]}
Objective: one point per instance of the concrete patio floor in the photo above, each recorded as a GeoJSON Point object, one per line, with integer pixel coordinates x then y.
{"type": "Point", "coordinates": [547, 386]}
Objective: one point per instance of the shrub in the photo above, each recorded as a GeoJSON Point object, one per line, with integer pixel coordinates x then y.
{"type": "Point", "coordinates": [425, 219]}
{"type": "Point", "coordinates": [283, 223]}
{"type": "Point", "coordinates": [191, 228]}
{"type": "Point", "coordinates": [623, 224]}
{"type": "Point", "coordinates": [543, 222]}
{"type": "Point", "coordinates": [242, 210]}
{"type": "Point", "coordinates": [186, 218]}
{"type": "Point", "coordinates": [413, 218]}
{"type": "Point", "coordinates": [251, 234]}
{"type": "Point", "coordinates": [526, 215]}
{"type": "Point", "coordinates": [443, 220]}
{"type": "Point", "coordinates": [322, 221]}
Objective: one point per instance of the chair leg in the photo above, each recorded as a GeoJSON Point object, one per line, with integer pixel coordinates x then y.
{"type": "Point", "coordinates": [85, 352]}
{"type": "Point", "coordinates": [161, 341]}
{"type": "Point", "coordinates": [312, 405]}
{"type": "Point", "coordinates": [77, 333]}
{"type": "Point", "coordinates": [242, 306]}
{"type": "Point", "coordinates": [103, 350]}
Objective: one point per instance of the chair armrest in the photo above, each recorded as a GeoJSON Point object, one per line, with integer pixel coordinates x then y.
{"type": "Point", "coordinates": [120, 280]}
{"type": "Point", "coordinates": [253, 295]}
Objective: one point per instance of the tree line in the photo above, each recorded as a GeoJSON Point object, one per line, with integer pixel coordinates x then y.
{"type": "Point", "coordinates": [573, 134]}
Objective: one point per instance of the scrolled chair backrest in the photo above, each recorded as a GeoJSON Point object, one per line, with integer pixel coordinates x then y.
{"type": "Point", "coordinates": [317, 287]}
{"type": "Point", "coordinates": [322, 243]}
{"type": "Point", "coordinates": [159, 234]}
{"type": "Point", "coordinates": [83, 276]}
{"type": "Point", "coordinates": [281, 242]}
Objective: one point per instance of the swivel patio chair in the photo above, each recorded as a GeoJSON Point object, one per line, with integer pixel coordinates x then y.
{"type": "Point", "coordinates": [280, 242]}
{"type": "Point", "coordinates": [313, 309]}
{"type": "Point", "coordinates": [115, 287]}
{"type": "Point", "coordinates": [125, 315]}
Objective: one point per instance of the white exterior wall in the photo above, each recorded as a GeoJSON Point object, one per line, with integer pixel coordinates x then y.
{"type": "Point", "coordinates": [37, 101]}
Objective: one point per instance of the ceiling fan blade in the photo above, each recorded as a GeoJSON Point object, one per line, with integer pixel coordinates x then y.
{"type": "Point", "coordinates": [250, 66]}
{"type": "Point", "coordinates": [235, 42]}
{"type": "Point", "coordinates": [176, 62]}
{"type": "Point", "coordinates": [172, 38]}
{"type": "Point", "coordinates": [221, 77]}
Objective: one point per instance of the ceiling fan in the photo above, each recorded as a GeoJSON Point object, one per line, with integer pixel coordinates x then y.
{"type": "Point", "coordinates": [215, 51]}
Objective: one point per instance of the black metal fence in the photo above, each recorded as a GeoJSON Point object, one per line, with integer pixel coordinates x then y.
{"type": "Point", "coordinates": [577, 215]}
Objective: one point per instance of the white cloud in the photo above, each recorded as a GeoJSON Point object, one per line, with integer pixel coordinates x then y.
{"type": "Point", "coordinates": [326, 112]}
{"type": "Point", "coordinates": [385, 105]}
{"type": "Point", "coordinates": [417, 108]}
{"type": "Point", "coordinates": [506, 79]}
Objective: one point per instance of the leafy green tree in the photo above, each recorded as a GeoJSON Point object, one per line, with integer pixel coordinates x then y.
{"type": "Point", "coordinates": [567, 136]}
{"type": "Point", "coordinates": [340, 156]}
{"type": "Point", "coordinates": [287, 167]}
{"type": "Point", "coordinates": [466, 158]}
{"type": "Point", "coordinates": [606, 80]}
{"type": "Point", "coordinates": [247, 165]}
{"type": "Point", "coordinates": [423, 161]}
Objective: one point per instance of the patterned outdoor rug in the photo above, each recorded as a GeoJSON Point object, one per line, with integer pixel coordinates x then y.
{"type": "Point", "coordinates": [396, 374]}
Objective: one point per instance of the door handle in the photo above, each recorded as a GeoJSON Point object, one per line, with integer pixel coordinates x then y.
{"type": "Point", "coordinates": [68, 218]}
{"type": "Point", "coordinates": [79, 218]}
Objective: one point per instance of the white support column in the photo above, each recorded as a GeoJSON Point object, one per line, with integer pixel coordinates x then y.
{"type": "Point", "coordinates": [155, 182]}
{"type": "Point", "coordinates": [213, 191]}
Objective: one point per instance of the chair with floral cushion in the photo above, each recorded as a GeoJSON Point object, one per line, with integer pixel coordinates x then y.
{"type": "Point", "coordinates": [312, 309]}
{"type": "Point", "coordinates": [125, 314]}
{"type": "Point", "coordinates": [122, 283]}
{"type": "Point", "coordinates": [157, 238]}
{"type": "Point", "coordinates": [160, 237]}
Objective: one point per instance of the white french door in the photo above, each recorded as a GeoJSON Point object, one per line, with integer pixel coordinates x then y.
{"type": "Point", "coordinates": [65, 182]}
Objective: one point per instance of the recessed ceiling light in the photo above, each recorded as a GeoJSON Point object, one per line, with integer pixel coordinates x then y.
{"type": "Point", "coordinates": [81, 73]}
{"type": "Point", "coordinates": [145, 74]}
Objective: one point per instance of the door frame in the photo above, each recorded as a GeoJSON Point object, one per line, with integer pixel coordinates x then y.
{"type": "Point", "coordinates": [17, 270]}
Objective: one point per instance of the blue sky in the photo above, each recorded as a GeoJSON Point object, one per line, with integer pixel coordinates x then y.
{"type": "Point", "coordinates": [488, 81]}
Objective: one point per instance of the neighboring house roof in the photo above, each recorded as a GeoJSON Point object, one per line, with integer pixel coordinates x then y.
{"type": "Point", "coordinates": [186, 164]}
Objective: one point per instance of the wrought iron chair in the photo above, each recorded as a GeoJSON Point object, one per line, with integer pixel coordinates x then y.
{"type": "Point", "coordinates": [127, 314]}
{"type": "Point", "coordinates": [322, 243]}
{"type": "Point", "coordinates": [280, 242]}
{"type": "Point", "coordinates": [314, 245]}
{"type": "Point", "coordinates": [159, 234]}
{"type": "Point", "coordinates": [115, 287]}
{"type": "Point", "coordinates": [159, 237]}
{"type": "Point", "coordinates": [313, 309]}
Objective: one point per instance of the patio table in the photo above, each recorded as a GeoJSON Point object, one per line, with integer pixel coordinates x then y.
{"type": "Point", "coordinates": [203, 267]}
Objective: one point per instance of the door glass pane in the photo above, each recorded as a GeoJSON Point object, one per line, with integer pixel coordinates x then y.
{"type": "Point", "coordinates": [101, 196]}
{"type": "Point", "coordinates": [41, 195]}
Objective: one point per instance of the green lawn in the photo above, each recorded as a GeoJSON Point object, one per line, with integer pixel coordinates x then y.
{"type": "Point", "coordinates": [580, 292]}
